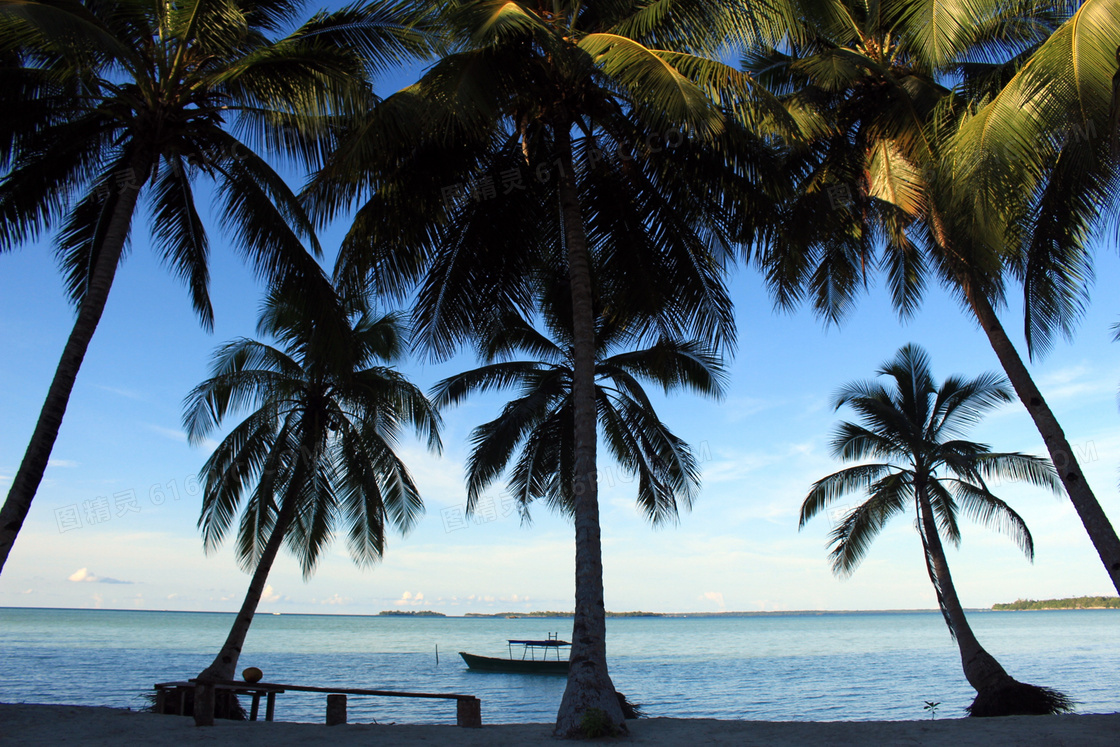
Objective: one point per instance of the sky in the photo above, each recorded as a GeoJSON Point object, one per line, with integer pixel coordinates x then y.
{"type": "Point", "coordinates": [114, 521]}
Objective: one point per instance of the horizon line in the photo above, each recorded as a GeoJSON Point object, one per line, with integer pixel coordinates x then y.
{"type": "Point", "coordinates": [511, 613]}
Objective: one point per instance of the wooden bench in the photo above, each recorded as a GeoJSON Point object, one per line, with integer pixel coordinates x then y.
{"type": "Point", "coordinates": [468, 708]}
{"type": "Point", "coordinates": [171, 696]}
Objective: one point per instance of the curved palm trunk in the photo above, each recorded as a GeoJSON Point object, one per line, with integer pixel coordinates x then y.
{"type": "Point", "coordinates": [30, 473]}
{"type": "Point", "coordinates": [589, 684]}
{"type": "Point", "coordinates": [997, 692]}
{"type": "Point", "coordinates": [981, 669]}
{"type": "Point", "coordinates": [1100, 530]}
{"type": "Point", "coordinates": [224, 666]}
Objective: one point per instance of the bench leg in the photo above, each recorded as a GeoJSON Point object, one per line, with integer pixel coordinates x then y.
{"type": "Point", "coordinates": [468, 712]}
{"type": "Point", "coordinates": [161, 701]}
{"type": "Point", "coordinates": [336, 709]}
{"type": "Point", "coordinates": [255, 707]}
{"type": "Point", "coordinates": [269, 706]}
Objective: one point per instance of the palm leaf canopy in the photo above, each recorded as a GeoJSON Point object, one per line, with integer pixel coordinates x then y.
{"type": "Point", "coordinates": [1038, 158]}
{"type": "Point", "coordinates": [668, 157]}
{"type": "Point", "coordinates": [878, 90]}
{"type": "Point", "coordinates": [533, 433]}
{"type": "Point", "coordinates": [109, 95]}
{"type": "Point", "coordinates": [325, 414]}
{"type": "Point", "coordinates": [913, 428]}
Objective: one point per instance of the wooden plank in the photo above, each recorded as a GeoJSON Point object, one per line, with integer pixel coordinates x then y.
{"type": "Point", "coordinates": [266, 687]}
{"type": "Point", "coordinates": [360, 691]}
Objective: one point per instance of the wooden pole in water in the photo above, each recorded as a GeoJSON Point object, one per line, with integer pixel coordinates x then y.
{"type": "Point", "coordinates": [437, 654]}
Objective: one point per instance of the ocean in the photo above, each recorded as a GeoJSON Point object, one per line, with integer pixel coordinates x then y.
{"type": "Point", "coordinates": [796, 667]}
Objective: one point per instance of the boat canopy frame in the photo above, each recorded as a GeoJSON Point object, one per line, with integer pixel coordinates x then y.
{"type": "Point", "coordinates": [529, 652]}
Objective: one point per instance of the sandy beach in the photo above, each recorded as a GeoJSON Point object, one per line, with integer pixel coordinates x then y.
{"type": "Point", "coordinates": [27, 724]}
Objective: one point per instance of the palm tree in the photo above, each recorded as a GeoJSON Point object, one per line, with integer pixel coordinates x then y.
{"type": "Point", "coordinates": [872, 91]}
{"type": "Point", "coordinates": [1042, 177]}
{"type": "Point", "coordinates": [316, 452]}
{"type": "Point", "coordinates": [535, 427]}
{"type": "Point", "coordinates": [110, 102]}
{"type": "Point", "coordinates": [916, 427]}
{"type": "Point", "coordinates": [561, 134]}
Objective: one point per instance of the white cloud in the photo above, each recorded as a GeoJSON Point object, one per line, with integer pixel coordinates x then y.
{"type": "Point", "coordinates": [269, 594]}
{"type": "Point", "coordinates": [64, 463]}
{"type": "Point", "coordinates": [172, 433]}
{"type": "Point", "coordinates": [410, 599]}
{"type": "Point", "coordinates": [179, 436]}
{"type": "Point", "coordinates": [336, 599]}
{"type": "Point", "coordinates": [82, 575]}
{"type": "Point", "coordinates": [127, 393]}
{"type": "Point", "coordinates": [715, 596]}
{"type": "Point", "coordinates": [1077, 382]}
{"type": "Point", "coordinates": [735, 409]}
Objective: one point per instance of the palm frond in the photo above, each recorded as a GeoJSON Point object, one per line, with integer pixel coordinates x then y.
{"type": "Point", "coordinates": [454, 389]}
{"type": "Point", "coordinates": [667, 97]}
{"type": "Point", "coordinates": [673, 364]}
{"type": "Point", "coordinates": [852, 537]}
{"type": "Point", "coordinates": [828, 490]}
{"type": "Point", "coordinates": [182, 235]}
{"type": "Point", "coordinates": [987, 510]}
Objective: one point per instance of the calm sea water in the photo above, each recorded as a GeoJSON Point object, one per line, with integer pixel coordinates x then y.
{"type": "Point", "coordinates": [823, 667]}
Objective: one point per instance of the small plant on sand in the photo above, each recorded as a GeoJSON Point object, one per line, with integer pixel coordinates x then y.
{"type": "Point", "coordinates": [597, 723]}
{"type": "Point", "coordinates": [931, 706]}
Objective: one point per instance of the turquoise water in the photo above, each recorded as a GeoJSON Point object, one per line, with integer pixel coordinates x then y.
{"type": "Point", "coordinates": [862, 666]}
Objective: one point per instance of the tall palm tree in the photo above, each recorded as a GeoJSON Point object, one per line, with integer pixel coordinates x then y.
{"type": "Point", "coordinates": [534, 429]}
{"type": "Point", "coordinates": [872, 90]}
{"type": "Point", "coordinates": [917, 428]}
{"type": "Point", "coordinates": [112, 102]}
{"type": "Point", "coordinates": [582, 135]}
{"type": "Point", "coordinates": [316, 452]}
{"type": "Point", "coordinates": [1035, 162]}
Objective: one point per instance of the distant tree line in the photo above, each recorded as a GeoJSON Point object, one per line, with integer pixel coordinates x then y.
{"type": "Point", "coordinates": [1072, 603]}
{"type": "Point", "coordinates": [411, 613]}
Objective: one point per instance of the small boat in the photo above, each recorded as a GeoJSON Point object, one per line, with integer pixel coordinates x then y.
{"type": "Point", "coordinates": [537, 657]}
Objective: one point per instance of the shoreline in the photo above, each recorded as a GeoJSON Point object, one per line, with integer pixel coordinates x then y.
{"type": "Point", "coordinates": [94, 726]}
{"type": "Point", "coordinates": [562, 616]}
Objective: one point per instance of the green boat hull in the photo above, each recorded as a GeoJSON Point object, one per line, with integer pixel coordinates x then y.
{"type": "Point", "coordinates": [515, 666]}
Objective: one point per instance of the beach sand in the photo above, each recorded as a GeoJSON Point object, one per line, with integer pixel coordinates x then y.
{"type": "Point", "coordinates": [110, 727]}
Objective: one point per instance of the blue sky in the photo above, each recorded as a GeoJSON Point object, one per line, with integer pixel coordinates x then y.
{"type": "Point", "coordinates": [739, 549]}
{"type": "Point", "coordinates": [114, 522]}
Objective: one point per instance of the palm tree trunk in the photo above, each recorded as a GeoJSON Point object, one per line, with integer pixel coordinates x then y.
{"type": "Point", "coordinates": [981, 669]}
{"type": "Point", "coordinates": [224, 666]}
{"type": "Point", "coordinates": [34, 464]}
{"type": "Point", "coordinates": [1100, 530]}
{"type": "Point", "coordinates": [589, 685]}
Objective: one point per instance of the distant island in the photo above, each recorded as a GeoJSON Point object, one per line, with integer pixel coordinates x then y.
{"type": "Point", "coordinates": [411, 613]}
{"type": "Point", "coordinates": [750, 613]}
{"type": "Point", "coordinates": [1072, 603]}
{"type": "Point", "coordinates": [552, 613]}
